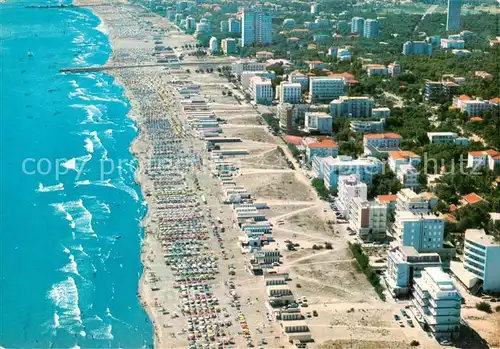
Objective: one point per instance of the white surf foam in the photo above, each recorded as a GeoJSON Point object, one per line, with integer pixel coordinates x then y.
{"type": "Point", "coordinates": [77, 214]}
{"type": "Point", "coordinates": [103, 333]}
{"type": "Point", "coordinates": [71, 267]}
{"type": "Point", "coordinates": [64, 296]}
{"type": "Point", "coordinates": [74, 83]}
{"type": "Point", "coordinates": [78, 40]}
{"type": "Point", "coordinates": [77, 164]}
{"type": "Point", "coordinates": [111, 184]}
{"type": "Point", "coordinates": [89, 146]}
{"type": "Point", "coordinates": [43, 189]}
{"type": "Point", "coordinates": [93, 112]}
{"type": "Point", "coordinates": [57, 324]}
{"type": "Point", "coordinates": [96, 142]}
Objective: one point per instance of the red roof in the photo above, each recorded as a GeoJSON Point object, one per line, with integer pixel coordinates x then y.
{"type": "Point", "coordinates": [495, 100]}
{"type": "Point", "coordinates": [464, 98]}
{"type": "Point", "coordinates": [476, 118]}
{"type": "Point", "coordinates": [383, 199]}
{"type": "Point", "coordinates": [382, 136]}
{"type": "Point", "coordinates": [472, 198]}
{"type": "Point", "coordinates": [293, 140]}
{"type": "Point", "coordinates": [325, 143]}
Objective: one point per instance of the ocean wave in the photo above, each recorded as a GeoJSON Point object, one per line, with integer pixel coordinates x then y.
{"type": "Point", "coordinates": [96, 143]}
{"type": "Point", "coordinates": [103, 333]}
{"type": "Point", "coordinates": [57, 324]}
{"type": "Point", "coordinates": [89, 146]}
{"type": "Point", "coordinates": [77, 163]}
{"type": "Point", "coordinates": [77, 214]}
{"type": "Point", "coordinates": [85, 95]}
{"type": "Point", "coordinates": [64, 296]}
{"type": "Point", "coordinates": [71, 267]}
{"type": "Point", "coordinates": [43, 189]}
{"type": "Point", "coordinates": [78, 40]}
{"type": "Point", "coordinates": [74, 83]}
{"type": "Point", "coordinates": [111, 184]}
{"type": "Point", "coordinates": [93, 112]}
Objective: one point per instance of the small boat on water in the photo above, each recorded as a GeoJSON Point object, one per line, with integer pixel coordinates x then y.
{"type": "Point", "coordinates": [30, 53]}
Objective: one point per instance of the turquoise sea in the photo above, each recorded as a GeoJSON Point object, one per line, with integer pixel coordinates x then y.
{"type": "Point", "coordinates": [69, 225]}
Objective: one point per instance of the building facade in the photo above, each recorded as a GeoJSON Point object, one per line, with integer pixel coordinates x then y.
{"type": "Point", "coordinates": [261, 90]}
{"type": "Point", "coordinates": [366, 168]}
{"type": "Point", "coordinates": [290, 92]}
{"type": "Point", "coordinates": [437, 302]}
{"type": "Point", "coordinates": [291, 116]}
{"type": "Point", "coordinates": [349, 188]}
{"type": "Point", "coordinates": [404, 264]}
{"type": "Point", "coordinates": [453, 16]}
{"type": "Point", "coordinates": [417, 48]}
{"type": "Point", "coordinates": [352, 107]}
{"type": "Point", "coordinates": [358, 25]}
{"type": "Point", "coordinates": [256, 27]}
{"type": "Point", "coordinates": [318, 122]}
{"type": "Point", "coordinates": [482, 258]}
{"type": "Point", "coordinates": [425, 232]}
{"type": "Point", "coordinates": [371, 28]}
{"type": "Point", "coordinates": [326, 89]}
{"type": "Point", "coordinates": [229, 46]}
{"type": "Point", "coordinates": [234, 26]}
{"type": "Point", "coordinates": [368, 219]}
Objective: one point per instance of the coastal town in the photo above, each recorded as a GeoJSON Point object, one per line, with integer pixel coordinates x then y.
{"type": "Point", "coordinates": [308, 184]}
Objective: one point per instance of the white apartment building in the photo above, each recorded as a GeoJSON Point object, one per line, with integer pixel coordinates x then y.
{"type": "Point", "coordinates": [326, 89]}
{"type": "Point", "coordinates": [318, 122]}
{"type": "Point", "coordinates": [482, 258]}
{"type": "Point", "coordinates": [256, 27]}
{"type": "Point", "coordinates": [485, 158]}
{"type": "Point", "coordinates": [298, 77]}
{"type": "Point", "coordinates": [452, 43]}
{"type": "Point", "coordinates": [408, 176]}
{"type": "Point", "coordinates": [442, 137]}
{"type": "Point", "coordinates": [247, 75]}
{"type": "Point", "coordinates": [408, 200]}
{"type": "Point", "coordinates": [333, 168]}
{"type": "Point", "coordinates": [371, 28]}
{"type": "Point", "coordinates": [349, 188]}
{"type": "Point", "coordinates": [354, 107]}
{"type": "Point", "coordinates": [394, 69]}
{"type": "Point", "coordinates": [358, 25]}
{"type": "Point", "coordinates": [368, 219]}
{"type": "Point", "coordinates": [437, 302]}
{"type": "Point", "coordinates": [378, 143]}
{"type": "Point", "coordinates": [382, 112]}
{"type": "Point", "coordinates": [290, 92]}
{"type": "Point", "coordinates": [247, 65]}
{"type": "Point", "coordinates": [213, 45]}
{"type": "Point", "coordinates": [376, 69]}
{"type": "Point", "coordinates": [475, 107]}
{"type": "Point", "coordinates": [344, 55]}
{"type": "Point", "coordinates": [403, 264]}
{"type": "Point", "coordinates": [261, 90]}
{"type": "Point", "coordinates": [399, 158]}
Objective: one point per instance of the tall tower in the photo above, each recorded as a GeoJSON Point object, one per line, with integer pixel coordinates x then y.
{"type": "Point", "coordinates": [357, 25]}
{"type": "Point", "coordinates": [256, 27]}
{"type": "Point", "coordinates": [453, 19]}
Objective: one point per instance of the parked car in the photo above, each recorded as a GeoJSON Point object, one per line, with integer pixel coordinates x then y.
{"type": "Point", "coordinates": [315, 313]}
